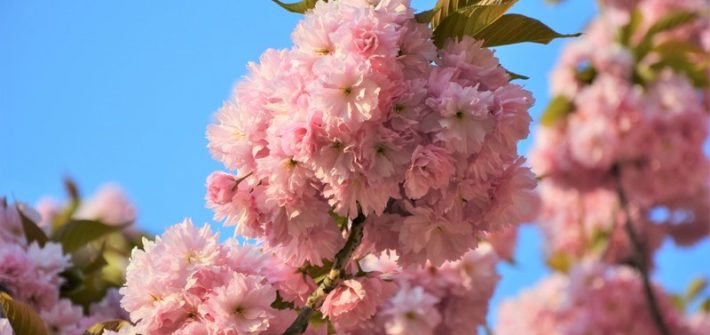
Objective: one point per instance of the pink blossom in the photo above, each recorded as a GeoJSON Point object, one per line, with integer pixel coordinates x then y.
{"type": "Point", "coordinates": [242, 306]}
{"type": "Point", "coordinates": [427, 235]}
{"type": "Point", "coordinates": [110, 205]}
{"type": "Point", "coordinates": [5, 328]}
{"type": "Point", "coordinates": [432, 167]}
{"type": "Point", "coordinates": [11, 227]}
{"type": "Point", "coordinates": [64, 318]}
{"type": "Point", "coordinates": [355, 301]}
{"type": "Point", "coordinates": [186, 282]}
{"type": "Point", "coordinates": [412, 312]}
{"type": "Point", "coordinates": [348, 97]}
{"type": "Point", "coordinates": [466, 118]}
{"type": "Point", "coordinates": [221, 188]}
{"type": "Point", "coordinates": [593, 299]}
{"type": "Point", "coordinates": [361, 116]}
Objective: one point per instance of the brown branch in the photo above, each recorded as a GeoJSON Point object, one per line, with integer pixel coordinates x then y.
{"type": "Point", "coordinates": [640, 254]}
{"type": "Point", "coordinates": [332, 280]}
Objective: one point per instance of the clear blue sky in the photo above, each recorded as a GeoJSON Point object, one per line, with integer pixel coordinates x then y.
{"type": "Point", "coordinates": [123, 91]}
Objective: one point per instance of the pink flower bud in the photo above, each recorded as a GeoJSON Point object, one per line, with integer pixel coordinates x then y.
{"type": "Point", "coordinates": [221, 187]}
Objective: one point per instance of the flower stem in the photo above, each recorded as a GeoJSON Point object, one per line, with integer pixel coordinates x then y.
{"type": "Point", "coordinates": [640, 258]}
{"type": "Point", "coordinates": [333, 278]}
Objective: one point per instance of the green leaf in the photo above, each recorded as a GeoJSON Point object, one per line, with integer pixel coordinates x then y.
{"type": "Point", "coordinates": [425, 16]}
{"type": "Point", "coordinates": [113, 325]}
{"type": "Point", "coordinates": [675, 46]}
{"type": "Point", "coordinates": [92, 289]}
{"type": "Point", "coordinates": [680, 63]}
{"type": "Point", "coordinates": [696, 287]}
{"type": "Point", "coordinates": [33, 233]}
{"type": "Point", "coordinates": [297, 7]}
{"type": "Point", "coordinates": [22, 318]}
{"type": "Point", "coordinates": [557, 110]}
{"type": "Point", "coordinates": [516, 28]}
{"type": "Point", "coordinates": [444, 8]}
{"type": "Point", "coordinates": [670, 21]}
{"type": "Point", "coordinates": [705, 305]}
{"type": "Point", "coordinates": [318, 273]}
{"type": "Point", "coordinates": [585, 75]}
{"type": "Point", "coordinates": [678, 302]}
{"type": "Point", "coordinates": [331, 328]}
{"type": "Point", "coordinates": [599, 240]}
{"type": "Point", "coordinates": [72, 189]}
{"type": "Point", "coordinates": [78, 233]}
{"type": "Point", "coordinates": [470, 20]}
{"type": "Point", "coordinates": [98, 262]}
{"type": "Point", "coordinates": [340, 221]}
{"type": "Point", "coordinates": [514, 76]}
{"type": "Point", "coordinates": [559, 261]}
{"type": "Point", "coordinates": [282, 304]}
{"type": "Point", "coordinates": [628, 30]}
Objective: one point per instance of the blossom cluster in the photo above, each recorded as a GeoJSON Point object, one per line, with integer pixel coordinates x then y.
{"type": "Point", "coordinates": [593, 299]}
{"type": "Point", "coordinates": [364, 116]}
{"type": "Point", "coordinates": [109, 204]}
{"type": "Point", "coordinates": [451, 299]}
{"type": "Point", "coordinates": [31, 273]}
{"type": "Point", "coordinates": [186, 282]}
{"type": "Point", "coordinates": [636, 122]}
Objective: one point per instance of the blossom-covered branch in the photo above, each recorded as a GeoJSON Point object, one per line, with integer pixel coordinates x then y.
{"type": "Point", "coordinates": [332, 279]}
{"type": "Point", "coordinates": [641, 263]}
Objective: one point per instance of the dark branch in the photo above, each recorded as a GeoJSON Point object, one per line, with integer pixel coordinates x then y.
{"type": "Point", "coordinates": [640, 258]}
{"type": "Point", "coordinates": [332, 280]}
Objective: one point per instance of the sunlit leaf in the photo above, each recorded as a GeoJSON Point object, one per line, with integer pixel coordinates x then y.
{"type": "Point", "coordinates": [470, 20]}
{"type": "Point", "coordinates": [113, 325]}
{"type": "Point", "coordinates": [673, 19]}
{"type": "Point", "coordinates": [599, 240]}
{"type": "Point", "coordinates": [675, 46]}
{"type": "Point", "coordinates": [297, 7]}
{"type": "Point", "coordinates": [560, 261]}
{"type": "Point", "coordinates": [516, 28]}
{"type": "Point", "coordinates": [696, 287]}
{"type": "Point", "coordinates": [22, 318]}
{"type": "Point", "coordinates": [628, 30]}
{"type": "Point", "coordinates": [680, 63]}
{"type": "Point", "coordinates": [557, 110]}
{"type": "Point", "coordinates": [670, 21]}
{"type": "Point", "coordinates": [78, 233]}
{"type": "Point", "coordinates": [318, 273]}
{"type": "Point", "coordinates": [678, 302]}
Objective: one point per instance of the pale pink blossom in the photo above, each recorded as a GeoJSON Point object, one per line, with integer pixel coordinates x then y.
{"type": "Point", "coordinates": [412, 312]}
{"type": "Point", "coordinates": [356, 300]}
{"type": "Point", "coordinates": [431, 167]}
{"type": "Point", "coordinates": [241, 306]}
{"type": "Point", "coordinates": [594, 299]}
{"type": "Point", "coordinates": [110, 205]}
{"type": "Point", "coordinates": [361, 116]}
{"type": "Point", "coordinates": [5, 327]}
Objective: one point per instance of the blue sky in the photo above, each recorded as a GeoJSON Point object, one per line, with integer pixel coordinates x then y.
{"type": "Point", "coordinates": [122, 91]}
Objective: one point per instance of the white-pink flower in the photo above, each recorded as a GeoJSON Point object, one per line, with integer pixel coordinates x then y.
{"type": "Point", "coordinates": [241, 306]}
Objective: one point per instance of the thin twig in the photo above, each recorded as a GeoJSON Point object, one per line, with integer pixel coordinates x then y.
{"type": "Point", "coordinates": [332, 280]}
{"type": "Point", "coordinates": [640, 255]}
